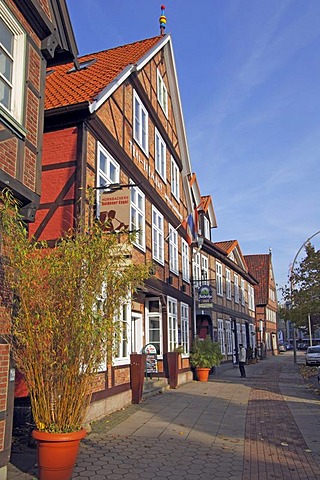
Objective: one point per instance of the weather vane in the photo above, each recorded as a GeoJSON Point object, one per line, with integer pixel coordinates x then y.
{"type": "Point", "coordinates": [162, 20]}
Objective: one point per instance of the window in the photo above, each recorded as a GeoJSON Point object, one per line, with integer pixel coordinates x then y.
{"type": "Point", "coordinates": [108, 171]}
{"type": "Point", "coordinates": [173, 250]}
{"type": "Point", "coordinates": [243, 298]}
{"type": "Point", "coordinates": [12, 59]}
{"type": "Point", "coordinates": [175, 176]}
{"type": "Point", "coordinates": [157, 236]}
{"type": "Point", "coordinates": [160, 155]}
{"type": "Point", "coordinates": [185, 261]}
{"type": "Point", "coordinates": [243, 335]}
{"type": "Point", "coordinates": [172, 324]}
{"type": "Point", "coordinates": [196, 269]}
{"type": "Point", "coordinates": [204, 268]}
{"type": "Point", "coordinates": [122, 338]}
{"type": "Point", "coordinates": [221, 338]}
{"type": "Point", "coordinates": [184, 340]}
{"type": "Point", "coordinates": [229, 337]}
{"type": "Point", "coordinates": [137, 211]}
{"type": "Point", "coordinates": [206, 226]}
{"type": "Point", "coordinates": [162, 93]}
{"type": "Point", "coordinates": [251, 298]}
{"type": "Point", "coordinates": [219, 279]}
{"type": "Point", "coordinates": [228, 284]}
{"type": "Point", "coordinates": [154, 323]}
{"type": "Point", "coordinates": [140, 124]}
{"type": "Point", "coordinates": [236, 289]}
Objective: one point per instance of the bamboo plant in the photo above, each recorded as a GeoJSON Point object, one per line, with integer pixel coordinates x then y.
{"type": "Point", "coordinates": [64, 304]}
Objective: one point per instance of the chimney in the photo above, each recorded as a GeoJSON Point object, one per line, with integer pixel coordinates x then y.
{"type": "Point", "coordinates": [162, 20]}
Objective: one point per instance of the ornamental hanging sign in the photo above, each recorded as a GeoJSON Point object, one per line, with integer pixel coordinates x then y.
{"type": "Point", "coordinates": [205, 294]}
{"type": "Point", "coordinates": [115, 210]}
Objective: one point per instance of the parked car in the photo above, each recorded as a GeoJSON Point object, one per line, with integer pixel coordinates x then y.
{"type": "Point", "coordinates": [289, 346]}
{"type": "Point", "coordinates": [282, 348]}
{"type": "Point", "coordinates": [313, 355]}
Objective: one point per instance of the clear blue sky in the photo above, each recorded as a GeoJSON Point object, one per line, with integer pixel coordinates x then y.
{"type": "Point", "coordinates": [249, 78]}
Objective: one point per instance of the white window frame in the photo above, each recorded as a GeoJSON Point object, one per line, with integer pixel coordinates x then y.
{"type": "Point", "coordinates": [185, 253]}
{"type": "Point", "coordinates": [157, 236]}
{"type": "Point", "coordinates": [138, 217]}
{"type": "Point", "coordinates": [173, 250]}
{"type": "Point", "coordinates": [229, 337]}
{"type": "Point", "coordinates": [184, 341]}
{"type": "Point", "coordinates": [149, 316]}
{"type": "Point", "coordinates": [162, 93]}
{"type": "Point", "coordinates": [140, 124]}
{"type": "Point", "coordinates": [221, 337]}
{"type": "Point", "coordinates": [175, 179]}
{"type": "Point", "coordinates": [251, 298]}
{"type": "Point", "coordinates": [236, 288]}
{"type": "Point", "coordinates": [196, 268]}
{"type": "Point", "coordinates": [206, 228]}
{"type": "Point", "coordinates": [172, 312]}
{"type": "Point", "coordinates": [160, 155]}
{"type": "Point", "coordinates": [122, 356]}
{"type": "Point", "coordinates": [18, 56]}
{"type": "Point", "coordinates": [243, 298]}
{"type": "Point", "coordinates": [110, 174]}
{"type": "Point", "coordinates": [204, 269]}
{"type": "Point", "coordinates": [228, 284]}
{"type": "Point", "coordinates": [219, 284]}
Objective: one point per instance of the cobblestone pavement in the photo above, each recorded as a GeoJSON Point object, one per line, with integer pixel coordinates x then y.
{"type": "Point", "coordinates": [229, 429]}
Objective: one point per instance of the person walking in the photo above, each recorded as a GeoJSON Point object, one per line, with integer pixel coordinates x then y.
{"type": "Point", "coordinates": [242, 360]}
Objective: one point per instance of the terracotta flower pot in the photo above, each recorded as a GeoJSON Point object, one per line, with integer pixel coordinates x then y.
{"type": "Point", "coordinates": [202, 374]}
{"type": "Point", "coordinates": [57, 453]}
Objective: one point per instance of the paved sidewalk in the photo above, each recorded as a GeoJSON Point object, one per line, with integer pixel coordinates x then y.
{"type": "Point", "coordinates": [267, 425]}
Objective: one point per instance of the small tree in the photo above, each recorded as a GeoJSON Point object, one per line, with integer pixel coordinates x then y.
{"type": "Point", "coordinates": [205, 353]}
{"type": "Point", "coordinates": [64, 307]}
{"type": "Point", "coordinates": [302, 296]}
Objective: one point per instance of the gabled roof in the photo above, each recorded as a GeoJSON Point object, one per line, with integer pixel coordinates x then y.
{"type": "Point", "coordinates": [66, 86]}
{"type": "Point", "coordinates": [232, 249]}
{"type": "Point", "coordinates": [259, 267]}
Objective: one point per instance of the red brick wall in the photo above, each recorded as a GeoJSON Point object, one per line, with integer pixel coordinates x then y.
{"type": "Point", "coordinates": [56, 213]}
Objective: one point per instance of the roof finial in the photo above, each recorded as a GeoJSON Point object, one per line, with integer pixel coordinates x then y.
{"type": "Point", "coordinates": [162, 20]}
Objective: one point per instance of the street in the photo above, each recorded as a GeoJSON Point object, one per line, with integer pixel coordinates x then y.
{"type": "Point", "coordinates": [264, 426]}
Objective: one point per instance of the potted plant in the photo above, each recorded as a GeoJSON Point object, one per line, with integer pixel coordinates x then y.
{"type": "Point", "coordinates": [204, 355]}
{"type": "Point", "coordinates": [64, 304]}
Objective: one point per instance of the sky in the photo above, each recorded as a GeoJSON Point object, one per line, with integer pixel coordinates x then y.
{"type": "Point", "coordinates": [249, 81]}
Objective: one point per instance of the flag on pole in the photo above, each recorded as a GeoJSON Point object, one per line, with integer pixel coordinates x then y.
{"type": "Point", "coordinates": [190, 224]}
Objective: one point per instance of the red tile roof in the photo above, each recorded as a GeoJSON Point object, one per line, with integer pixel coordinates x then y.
{"type": "Point", "coordinates": [65, 89]}
{"type": "Point", "coordinates": [259, 267]}
{"type": "Point", "coordinates": [226, 246]}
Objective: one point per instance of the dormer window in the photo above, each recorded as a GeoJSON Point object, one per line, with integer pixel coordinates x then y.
{"type": "Point", "coordinates": [162, 93]}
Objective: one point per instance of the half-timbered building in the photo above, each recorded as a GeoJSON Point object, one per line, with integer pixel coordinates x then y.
{"type": "Point", "coordinates": [116, 125]}
{"type": "Point", "coordinates": [33, 34]}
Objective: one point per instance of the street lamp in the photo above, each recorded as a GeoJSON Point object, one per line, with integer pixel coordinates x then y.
{"type": "Point", "coordinates": [291, 290]}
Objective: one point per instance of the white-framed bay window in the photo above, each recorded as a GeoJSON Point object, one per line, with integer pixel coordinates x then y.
{"type": "Point", "coordinates": [206, 228]}
{"type": "Point", "coordinates": [221, 337]}
{"type": "Point", "coordinates": [185, 260]}
{"type": "Point", "coordinates": [140, 124]}
{"type": "Point", "coordinates": [173, 250]}
{"type": "Point", "coordinates": [183, 332]}
{"type": "Point", "coordinates": [175, 179]}
{"type": "Point", "coordinates": [12, 62]}
{"type": "Point", "coordinates": [162, 93]}
{"type": "Point", "coordinates": [196, 268]}
{"type": "Point", "coordinates": [123, 335]}
{"type": "Point", "coordinates": [228, 284]}
{"type": "Point", "coordinates": [229, 337]}
{"type": "Point", "coordinates": [160, 153]}
{"type": "Point", "coordinates": [219, 279]}
{"type": "Point", "coordinates": [157, 236]}
{"type": "Point", "coordinates": [251, 298]}
{"type": "Point", "coordinates": [154, 323]}
{"type": "Point", "coordinates": [137, 216]}
{"type": "Point", "coordinates": [108, 171]}
{"type": "Point", "coordinates": [172, 323]}
{"type": "Point", "coordinates": [204, 268]}
{"type": "Point", "coordinates": [236, 288]}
